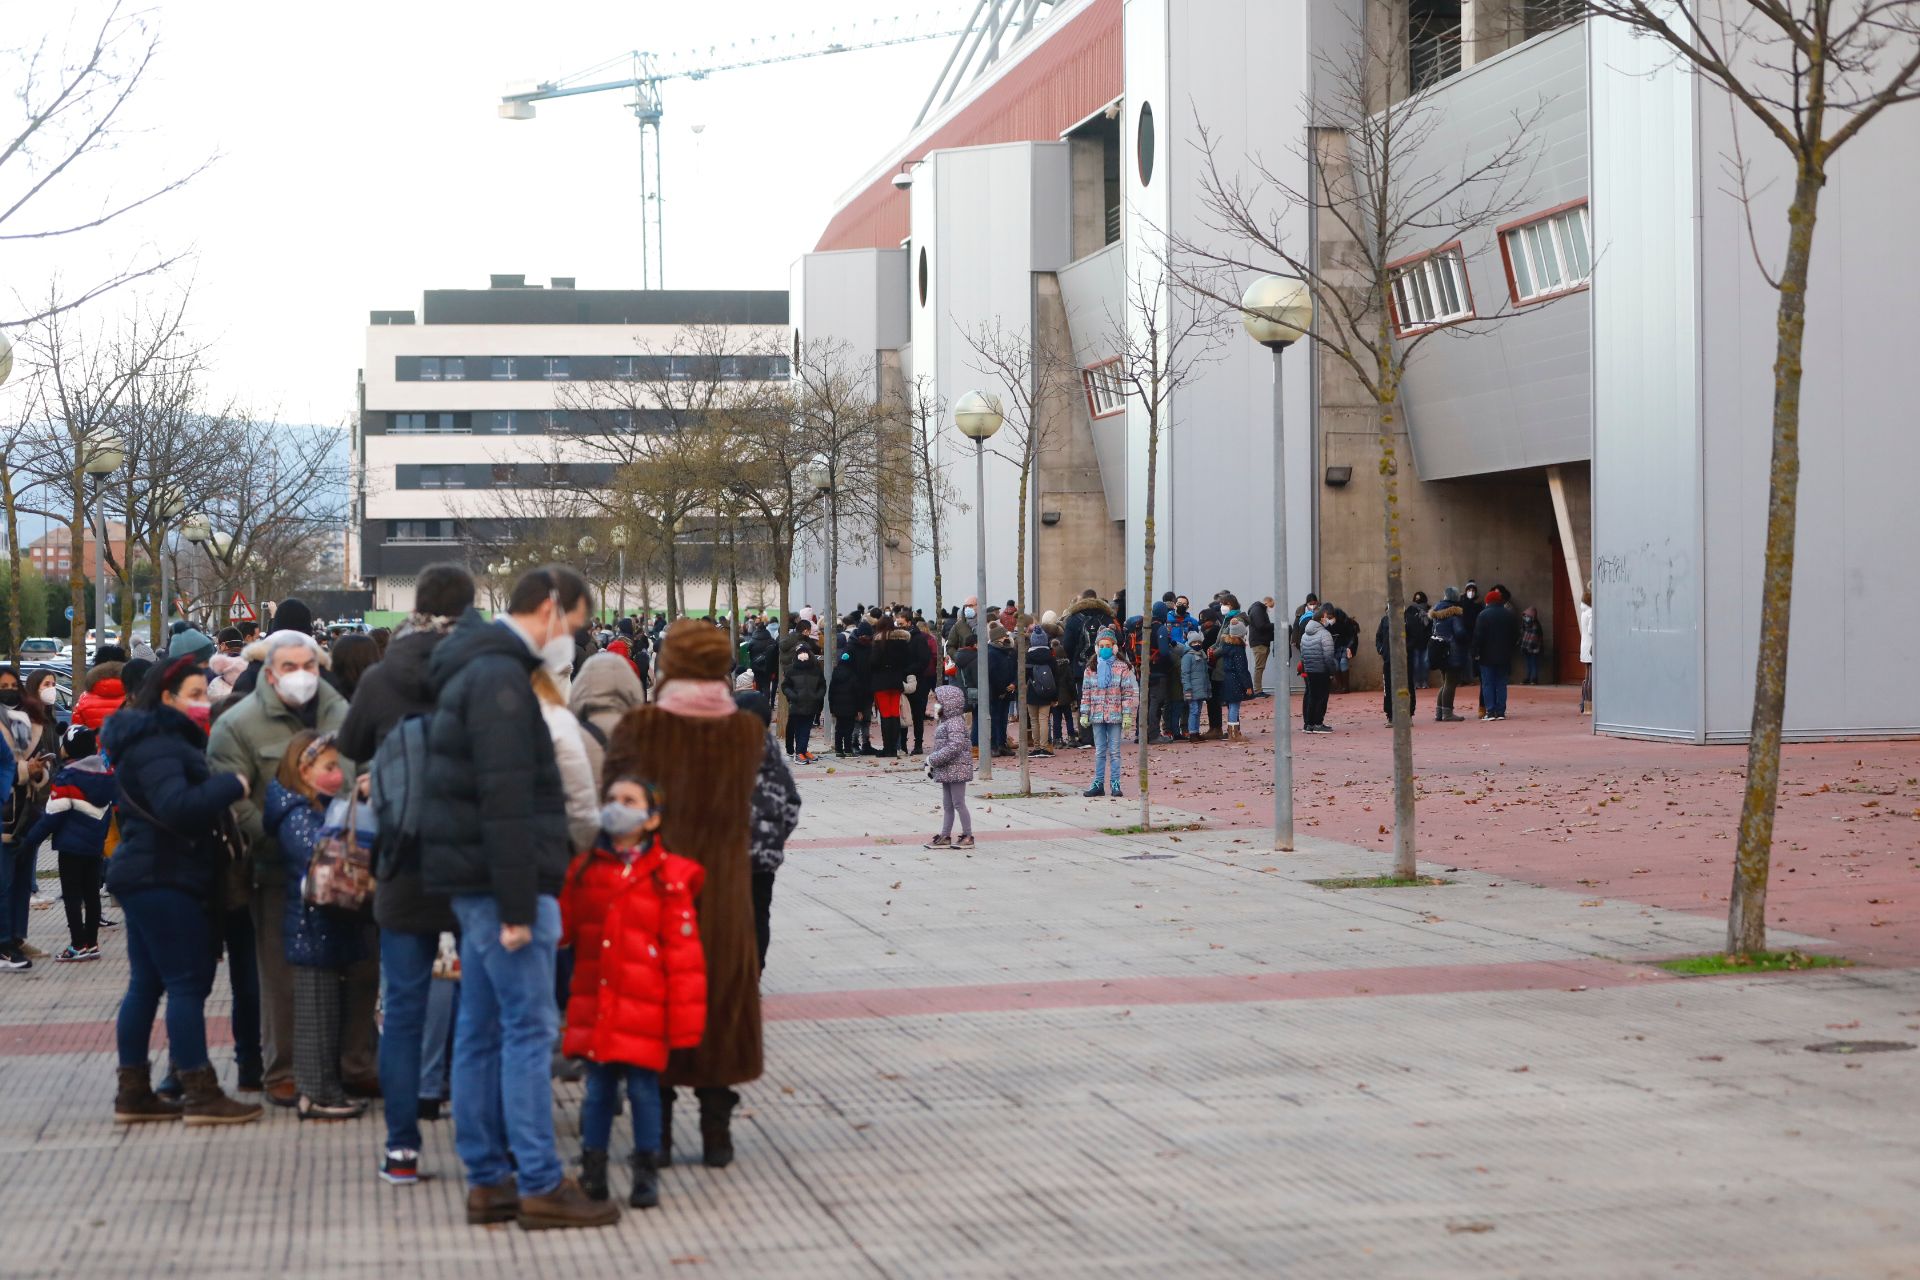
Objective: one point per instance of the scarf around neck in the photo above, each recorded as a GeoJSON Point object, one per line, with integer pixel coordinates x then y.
{"type": "Point", "coordinates": [1103, 671]}
{"type": "Point", "coordinates": [698, 699]}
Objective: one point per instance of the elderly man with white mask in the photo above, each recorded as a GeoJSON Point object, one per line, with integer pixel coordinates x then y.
{"type": "Point", "coordinates": [249, 739]}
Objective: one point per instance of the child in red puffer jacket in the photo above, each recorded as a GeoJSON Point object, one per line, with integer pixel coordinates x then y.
{"type": "Point", "coordinates": [639, 978]}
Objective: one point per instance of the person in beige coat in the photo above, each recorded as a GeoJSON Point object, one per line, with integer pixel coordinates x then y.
{"type": "Point", "coordinates": [604, 689]}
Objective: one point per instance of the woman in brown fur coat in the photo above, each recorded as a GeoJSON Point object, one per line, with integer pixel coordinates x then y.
{"type": "Point", "coordinates": [704, 755]}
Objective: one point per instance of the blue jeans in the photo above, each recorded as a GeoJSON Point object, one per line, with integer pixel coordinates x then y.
{"type": "Point", "coordinates": [1533, 667]}
{"type": "Point", "coordinates": [503, 1047]}
{"type": "Point", "coordinates": [243, 980]}
{"type": "Point", "coordinates": [1233, 713]}
{"type": "Point", "coordinates": [436, 1047]}
{"type": "Point", "coordinates": [1194, 708]}
{"type": "Point", "coordinates": [169, 950]}
{"type": "Point", "coordinates": [406, 973]}
{"type": "Point", "coordinates": [602, 1104]}
{"type": "Point", "coordinates": [1106, 754]}
{"type": "Point", "coordinates": [1493, 690]}
{"type": "Point", "coordinates": [1420, 662]}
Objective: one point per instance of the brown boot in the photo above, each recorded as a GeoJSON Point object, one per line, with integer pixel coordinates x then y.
{"type": "Point", "coordinates": [566, 1206]}
{"type": "Point", "coordinates": [205, 1104]}
{"type": "Point", "coordinates": [136, 1101]}
{"type": "Point", "coordinates": [497, 1203]}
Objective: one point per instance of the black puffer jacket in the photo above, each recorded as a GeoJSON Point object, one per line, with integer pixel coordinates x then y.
{"type": "Point", "coordinates": [893, 661]}
{"type": "Point", "coordinates": [495, 816]}
{"type": "Point", "coordinates": [394, 688]}
{"type": "Point", "coordinates": [170, 804]}
{"type": "Point", "coordinates": [806, 682]}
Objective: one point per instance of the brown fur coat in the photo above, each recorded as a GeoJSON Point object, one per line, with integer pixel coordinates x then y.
{"type": "Point", "coordinates": [705, 770]}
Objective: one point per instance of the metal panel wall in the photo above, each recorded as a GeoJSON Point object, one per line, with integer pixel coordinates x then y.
{"type": "Point", "coordinates": [1646, 434]}
{"type": "Point", "coordinates": [1516, 395]}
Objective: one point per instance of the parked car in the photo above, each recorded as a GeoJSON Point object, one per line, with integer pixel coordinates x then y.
{"type": "Point", "coordinates": [39, 649]}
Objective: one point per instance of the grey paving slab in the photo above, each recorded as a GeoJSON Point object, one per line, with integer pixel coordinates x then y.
{"type": "Point", "coordinates": [1643, 1129]}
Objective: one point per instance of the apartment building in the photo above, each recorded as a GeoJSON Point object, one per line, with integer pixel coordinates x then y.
{"type": "Point", "coordinates": [476, 408]}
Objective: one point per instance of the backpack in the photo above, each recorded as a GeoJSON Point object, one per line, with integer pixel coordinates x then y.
{"type": "Point", "coordinates": [1042, 689]}
{"type": "Point", "coordinates": [398, 794]}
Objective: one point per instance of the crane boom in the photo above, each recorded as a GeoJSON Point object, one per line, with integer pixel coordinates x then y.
{"type": "Point", "coordinates": [645, 78]}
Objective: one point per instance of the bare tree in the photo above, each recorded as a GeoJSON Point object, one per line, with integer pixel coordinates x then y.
{"type": "Point", "coordinates": [1379, 192]}
{"type": "Point", "coordinates": [1814, 74]}
{"type": "Point", "coordinates": [72, 99]}
{"type": "Point", "coordinates": [839, 420]}
{"type": "Point", "coordinates": [936, 496]}
{"type": "Point", "coordinates": [1161, 339]}
{"type": "Point", "coordinates": [83, 384]}
{"type": "Point", "coordinates": [1027, 370]}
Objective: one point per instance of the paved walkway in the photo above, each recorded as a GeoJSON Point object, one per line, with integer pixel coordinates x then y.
{"type": "Point", "coordinates": [1073, 1054]}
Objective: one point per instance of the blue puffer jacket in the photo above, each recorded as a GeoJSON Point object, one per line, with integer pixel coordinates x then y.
{"type": "Point", "coordinates": [170, 804]}
{"type": "Point", "coordinates": [1231, 677]}
{"type": "Point", "coordinates": [315, 937]}
{"type": "Point", "coordinates": [79, 811]}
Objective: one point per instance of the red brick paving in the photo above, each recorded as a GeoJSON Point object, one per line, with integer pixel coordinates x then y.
{"type": "Point", "coordinates": [1542, 798]}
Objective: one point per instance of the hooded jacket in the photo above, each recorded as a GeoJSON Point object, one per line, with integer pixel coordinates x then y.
{"type": "Point", "coordinates": [950, 758]}
{"type": "Point", "coordinates": [1232, 678]}
{"type": "Point", "coordinates": [495, 817]}
{"type": "Point", "coordinates": [171, 801]}
{"type": "Point", "coordinates": [605, 690]}
{"type": "Point", "coordinates": [892, 660]}
{"type": "Point", "coordinates": [639, 984]}
{"type": "Point", "coordinates": [1319, 655]}
{"type": "Point", "coordinates": [79, 810]}
{"type": "Point", "coordinates": [105, 695]}
{"type": "Point", "coordinates": [310, 935]}
{"type": "Point", "coordinates": [806, 680]}
{"type": "Point", "coordinates": [1081, 624]}
{"type": "Point", "coordinates": [1450, 628]}
{"type": "Point", "coordinates": [1196, 682]}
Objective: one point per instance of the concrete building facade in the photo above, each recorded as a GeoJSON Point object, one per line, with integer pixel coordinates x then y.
{"type": "Point", "coordinates": [1602, 421]}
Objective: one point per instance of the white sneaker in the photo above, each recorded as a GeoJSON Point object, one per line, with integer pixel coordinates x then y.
{"type": "Point", "coordinates": [41, 901]}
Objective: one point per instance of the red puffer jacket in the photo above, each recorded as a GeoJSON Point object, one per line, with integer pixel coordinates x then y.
{"type": "Point", "coordinates": [99, 702]}
{"type": "Point", "coordinates": [639, 973]}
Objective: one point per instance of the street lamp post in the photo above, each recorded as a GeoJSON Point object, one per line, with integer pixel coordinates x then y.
{"type": "Point", "coordinates": [1277, 312]}
{"type": "Point", "coordinates": [619, 540]}
{"type": "Point", "coordinates": [589, 547]}
{"type": "Point", "coordinates": [820, 475]}
{"type": "Point", "coordinates": [103, 456]}
{"type": "Point", "coordinates": [171, 504]}
{"type": "Point", "coordinates": [978, 415]}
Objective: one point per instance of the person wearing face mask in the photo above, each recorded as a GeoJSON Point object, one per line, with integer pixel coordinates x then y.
{"type": "Point", "coordinates": [166, 874]}
{"type": "Point", "coordinates": [639, 990]}
{"type": "Point", "coordinates": [495, 841]}
{"type": "Point", "coordinates": [249, 739]}
{"type": "Point", "coordinates": [966, 628]}
{"type": "Point", "coordinates": [320, 945]}
{"type": "Point", "coordinates": [1109, 699]}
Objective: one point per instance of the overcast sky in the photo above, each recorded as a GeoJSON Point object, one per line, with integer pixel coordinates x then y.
{"type": "Point", "coordinates": [361, 159]}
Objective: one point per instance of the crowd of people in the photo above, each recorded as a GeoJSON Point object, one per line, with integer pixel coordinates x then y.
{"type": "Point", "coordinates": [442, 867]}
{"type": "Point", "coordinates": [447, 864]}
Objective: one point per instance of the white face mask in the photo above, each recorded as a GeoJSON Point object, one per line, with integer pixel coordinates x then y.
{"type": "Point", "coordinates": [557, 655]}
{"type": "Point", "coordinates": [296, 688]}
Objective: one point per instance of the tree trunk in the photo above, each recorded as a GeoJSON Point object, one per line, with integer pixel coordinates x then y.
{"type": "Point", "coordinates": [1404, 864]}
{"type": "Point", "coordinates": [1020, 640]}
{"type": "Point", "coordinates": [733, 580]}
{"type": "Point", "coordinates": [673, 574]}
{"type": "Point", "coordinates": [1141, 675]}
{"type": "Point", "coordinates": [14, 619]}
{"type": "Point", "coordinates": [1753, 854]}
{"type": "Point", "coordinates": [77, 578]}
{"type": "Point", "coordinates": [933, 524]}
{"type": "Point", "coordinates": [783, 567]}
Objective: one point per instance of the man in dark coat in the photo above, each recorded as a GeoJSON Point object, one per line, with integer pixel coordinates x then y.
{"type": "Point", "coordinates": [1260, 637]}
{"type": "Point", "coordinates": [1496, 636]}
{"type": "Point", "coordinates": [411, 920]}
{"type": "Point", "coordinates": [494, 839]}
{"type": "Point", "coordinates": [763, 656]}
{"type": "Point", "coordinates": [996, 694]}
{"type": "Point", "coordinates": [924, 663]}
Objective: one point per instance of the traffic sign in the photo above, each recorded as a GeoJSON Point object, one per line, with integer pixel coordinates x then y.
{"type": "Point", "coordinates": [240, 610]}
{"type": "Point", "coordinates": [69, 613]}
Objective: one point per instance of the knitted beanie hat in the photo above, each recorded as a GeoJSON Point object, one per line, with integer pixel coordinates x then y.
{"type": "Point", "coordinates": [695, 651]}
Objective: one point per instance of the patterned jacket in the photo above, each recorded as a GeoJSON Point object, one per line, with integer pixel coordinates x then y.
{"type": "Point", "coordinates": [776, 810]}
{"type": "Point", "coordinates": [1115, 704]}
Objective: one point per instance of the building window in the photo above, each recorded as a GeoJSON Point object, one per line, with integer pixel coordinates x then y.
{"type": "Point", "coordinates": [1544, 15]}
{"type": "Point", "coordinates": [1433, 42]}
{"type": "Point", "coordinates": [732, 368]}
{"type": "Point", "coordinates": [450, 475]}
{"type": "Point", "coordinates": [1548, 254]}
{"type": "Point", "coordinates": [453, 368]}
{"type": "Point", "coordinates": [429, 368]}
{"type": "Point", "coordinates": [680, 368]}
{"type": "Point", "coordinates": [1106, 393]}
{"type": "Point", "coordinates": [503, 475]}
{"type": "Point", "coordinates": [1143, 144]}
{"type": "Point", "coordinates": [408, 424]}
{"type": "Point", "coordinates": [623, 366]}
{"type": "Point", "coordinates": [500, 368]}
{"type": "Point", "coordinates": [782, 369]}
{"type": "Point", "coordinates": [501, 422]}
{"type": "Point", "coordinates": [1430, 290]}
{"type": "Point", "coordinates": [421, 531]}
{"type": "Point", "coordinates": [556, 367]}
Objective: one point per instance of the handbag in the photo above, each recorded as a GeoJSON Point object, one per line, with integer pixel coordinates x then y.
{"type": "Point", "coordinates": [340, 872]}
{"type": "Point", "coordinates": [910, 685]}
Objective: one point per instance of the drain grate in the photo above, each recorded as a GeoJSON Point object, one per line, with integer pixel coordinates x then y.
{"type": "Point", "coordinates": [1858, 1046]}
{"type": "Point", "coordinates": [1147, 857]}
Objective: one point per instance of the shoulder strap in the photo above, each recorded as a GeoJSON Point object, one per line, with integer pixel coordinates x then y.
{"type": "Point", "coordinates": [592, 730]}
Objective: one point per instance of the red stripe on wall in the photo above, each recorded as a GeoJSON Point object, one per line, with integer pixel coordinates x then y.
{"type": "Point", "coordinates": [1076, 70]}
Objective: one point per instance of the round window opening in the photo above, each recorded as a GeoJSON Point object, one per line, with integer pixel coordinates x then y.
{"type": "Point", "coordinates": [1143, 145]}
{"type": "Point", "coordinates": [923, 275]}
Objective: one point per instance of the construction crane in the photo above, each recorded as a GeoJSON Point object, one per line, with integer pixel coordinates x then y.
{"type": "Point", "coordinates": [644, 77]}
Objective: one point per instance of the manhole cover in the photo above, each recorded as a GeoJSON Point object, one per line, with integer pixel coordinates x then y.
{"type": "Point", "coordinates": [1858, 1046]}
{"type": "Point", "coordinates": [1146, 857]}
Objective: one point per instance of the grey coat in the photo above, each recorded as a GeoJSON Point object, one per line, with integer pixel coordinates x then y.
{"type": "Point", "coordinates": [950, 759]}
{"type": "Point", "coordinates": [1318, 652]}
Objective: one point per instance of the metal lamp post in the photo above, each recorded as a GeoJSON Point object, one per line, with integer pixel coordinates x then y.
{"type": "Point", "coordinates": [589, 547]}
{"type": "Point", "coordinates": [1277, 312]}
{"type": "Point", "coordinates": [172, 503]}
{"type": "Point", "coordinates": [618, 537]}
{"type": "Point", "coordinates": [197, 530]}
{"type": "Point", "coordinates": [820, 476]}
{"type": "Point", "coordinates": [978, 415]}
{"type": "Point", "coordinates": [103, 456]}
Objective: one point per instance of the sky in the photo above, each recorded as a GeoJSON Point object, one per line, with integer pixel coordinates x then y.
{"type": "Point", "coordinates": [360, 159]}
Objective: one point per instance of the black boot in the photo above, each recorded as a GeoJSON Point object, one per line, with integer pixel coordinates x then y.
{"type": "Point", "coordinates": [646, 1182]}
{"type": "Point", "coordinates": [663, 1158]}
{"type": "Point", "coordinates": [593, 1173]}
{"type": "Point", "coordinates": [716, 1123]}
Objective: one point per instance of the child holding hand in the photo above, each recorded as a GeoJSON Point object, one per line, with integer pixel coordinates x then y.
{"type": "Point", "coordinates": [639, 978]}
